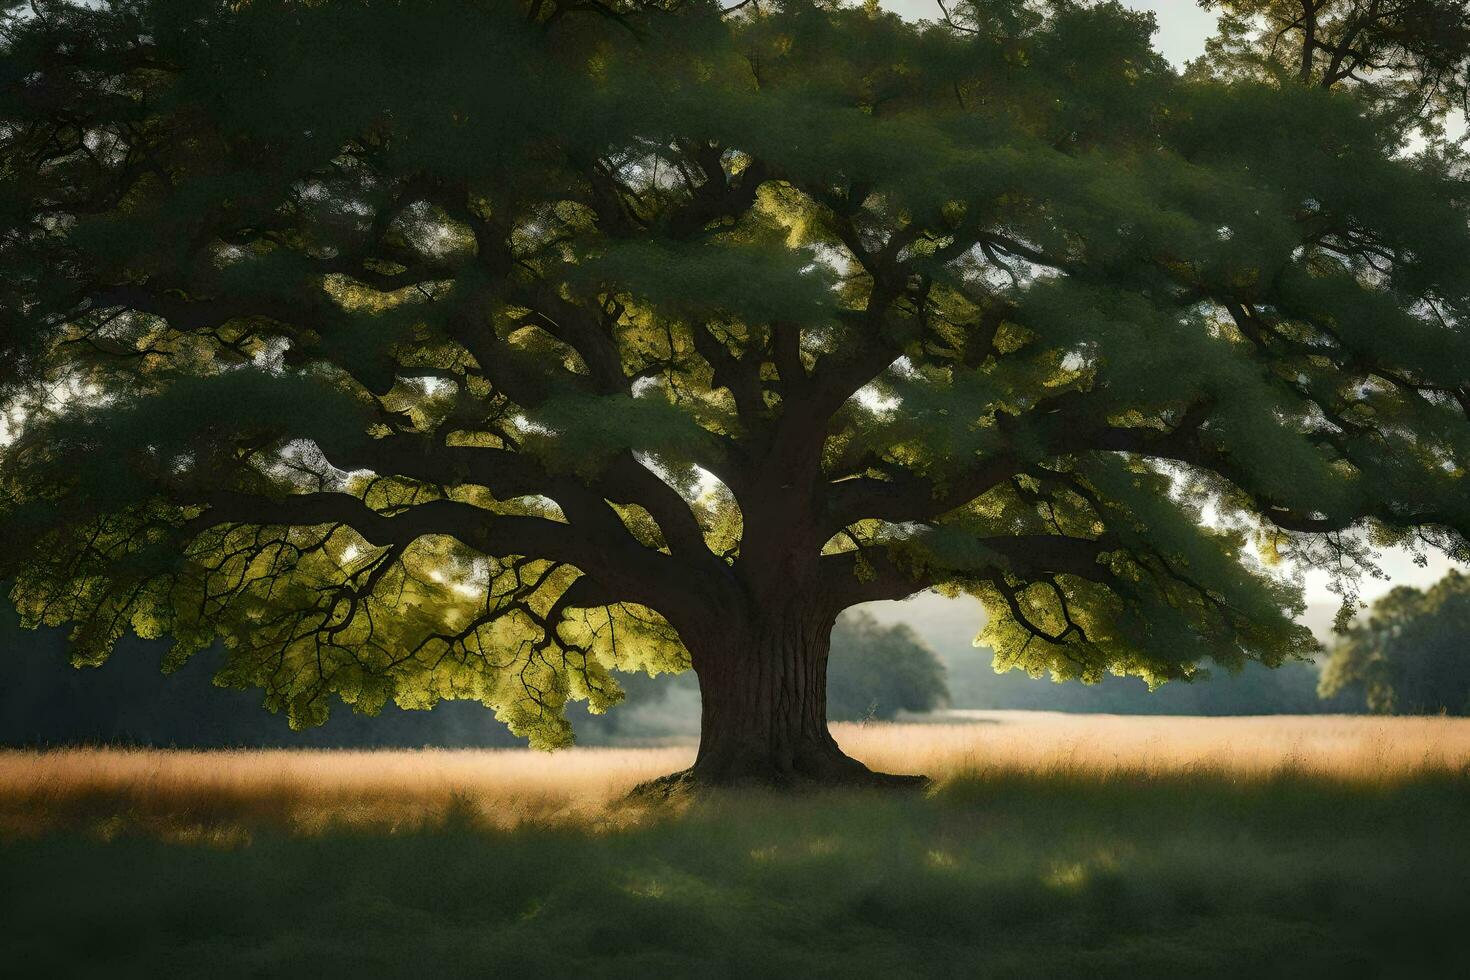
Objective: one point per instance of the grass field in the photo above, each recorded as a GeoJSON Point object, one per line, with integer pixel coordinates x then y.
{"type": "Point", "coordinates": [1049, 846]}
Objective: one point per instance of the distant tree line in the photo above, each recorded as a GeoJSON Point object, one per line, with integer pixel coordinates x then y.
{"type": "Point", "coordinates": [1290, 689]}
{"type": "Point", "coordinates": [1409, 655]}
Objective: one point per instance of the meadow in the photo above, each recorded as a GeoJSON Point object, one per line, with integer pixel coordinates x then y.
{"type": "Point", "coordinates": [1049, 845]}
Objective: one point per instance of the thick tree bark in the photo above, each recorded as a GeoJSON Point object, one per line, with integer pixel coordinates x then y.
{"type": "Point", "coordinates": [763, 683]}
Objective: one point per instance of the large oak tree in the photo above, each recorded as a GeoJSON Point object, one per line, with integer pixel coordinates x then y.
{"type": "Point", "coordinates": [473, 348]}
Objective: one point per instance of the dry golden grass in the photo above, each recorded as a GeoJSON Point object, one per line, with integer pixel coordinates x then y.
{"type": "Point", "coordinates": [217, 794]}
{"type": "Point", "coordinates": [1353, 747]}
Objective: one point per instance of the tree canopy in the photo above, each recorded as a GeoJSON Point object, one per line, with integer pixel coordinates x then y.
{"type": "Point", "coordinates": [472, 348]}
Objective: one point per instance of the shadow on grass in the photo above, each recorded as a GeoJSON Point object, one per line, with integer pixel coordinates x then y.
{"type": "Point", "coordinates": [989, 876]}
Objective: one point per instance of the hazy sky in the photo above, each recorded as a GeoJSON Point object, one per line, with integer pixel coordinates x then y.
{"type": "Point", "coordinates": [1183, 28]}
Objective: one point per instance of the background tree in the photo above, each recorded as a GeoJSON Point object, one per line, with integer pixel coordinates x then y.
{"type": "Point", "coordinates": [878, 671]}
{"type": "Point", "coordinates": [472, 349]}
{"type": "Point", "coordinates": [1410, 655]}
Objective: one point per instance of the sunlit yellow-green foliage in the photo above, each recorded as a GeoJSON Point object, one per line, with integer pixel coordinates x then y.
{"type": "Point", "coordinates": [308, 612]}
{"type": "Point", "coordinates": [460, 349]}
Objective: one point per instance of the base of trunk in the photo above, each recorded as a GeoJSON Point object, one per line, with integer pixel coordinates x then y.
{"type": "Point", "coordinates": [763, 692]}
{"type": "Point", "coordinates": [821, 767]}
{"type": "Point", "coordinates": [688, 781]}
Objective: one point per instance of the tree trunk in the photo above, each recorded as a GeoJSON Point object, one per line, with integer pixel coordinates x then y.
{"type": "Point", "coordinates": [763, 686]}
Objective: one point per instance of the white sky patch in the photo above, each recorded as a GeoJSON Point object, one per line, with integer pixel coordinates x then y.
{"type": "Point", "coordinates": [523, 424]}
{"type": "Point", "coordinates": [301, 459]}
{"type": "Point", "coordinates": [1004, 271]}
{"type": "Point", "coordinates": [272, 355]}
{"type": "Point", "coordinates": [56, 399]}
{"type": "Point", "coordinates": [1397, 564]}
{"type": "Point", "coordinates": [870, 397]}
{"type": "Point", "coordinates": [11, 420]}
{"type": "Point", "coordinates": [229, 254]}
{"type": "Point", "coordinates": [905, 367]}
{"type": "Point", "coordinates": [429, 386]}
{"type": "Point", "coordinates": [707, 486]}
{"type": "Point", "coordinates": [710, 487]}
{"type": "Point", "coordinates": [830, 257]}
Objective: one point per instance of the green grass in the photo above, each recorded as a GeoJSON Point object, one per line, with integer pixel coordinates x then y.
{"type": "Point", "coordinates": [1041, 876]}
